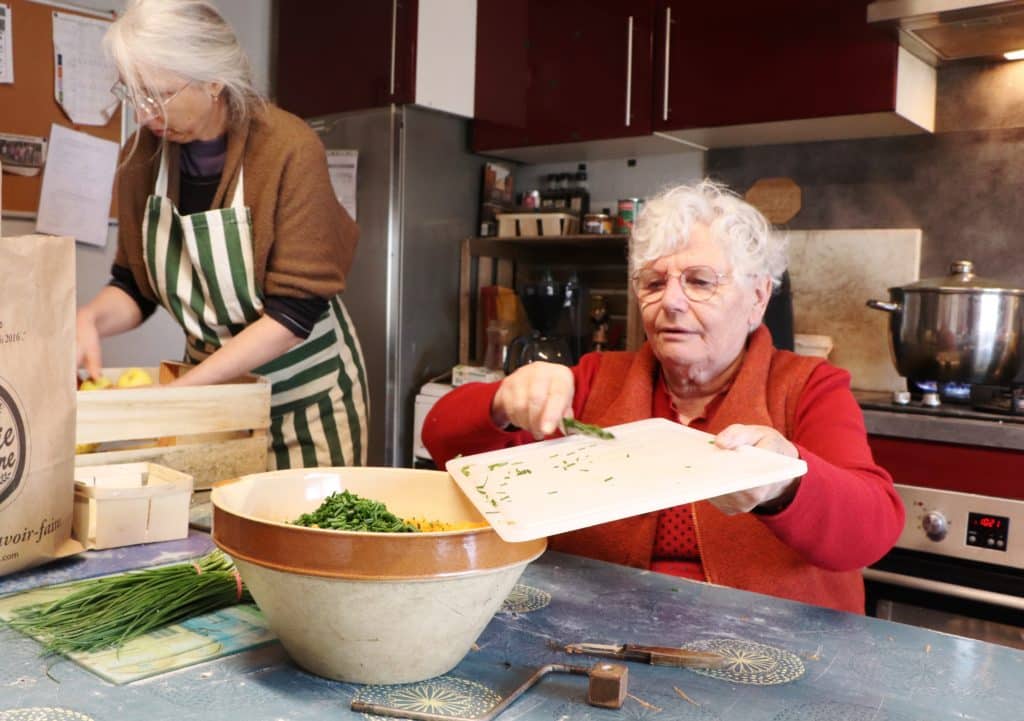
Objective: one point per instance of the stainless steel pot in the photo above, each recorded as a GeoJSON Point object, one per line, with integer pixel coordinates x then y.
{"type": "Point", "coordinates": [959, 328]}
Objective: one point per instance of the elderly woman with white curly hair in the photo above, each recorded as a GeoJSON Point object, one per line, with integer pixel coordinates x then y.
{"type": "Point", "coordinates": [703, 264]}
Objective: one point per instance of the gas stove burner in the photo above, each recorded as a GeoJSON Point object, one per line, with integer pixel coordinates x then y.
{"type": "Point", "coordinates": [960, 399]}
{"type": "Point", "coordinates": [998, 399]}
{"type": "Point", "coordinates": [933, 394]}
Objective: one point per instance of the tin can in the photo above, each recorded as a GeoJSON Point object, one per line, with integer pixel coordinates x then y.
{"type": "Point", "coordinates": [629, 210]}
{"type": "Point", "coordinates": [598, 224]}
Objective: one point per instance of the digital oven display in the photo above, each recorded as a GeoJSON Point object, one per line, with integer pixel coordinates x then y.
{"type": "Point", "coordinates": [987, 531]}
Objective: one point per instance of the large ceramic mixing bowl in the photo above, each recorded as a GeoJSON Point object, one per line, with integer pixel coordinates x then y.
{"type": "Point", "coordinates": [367, 607]}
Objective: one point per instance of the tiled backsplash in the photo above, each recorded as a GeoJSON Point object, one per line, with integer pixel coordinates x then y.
{"type": "Point", "coordinates": [963, 186]}
{"type": "Point", "coordinates": [964, 190]}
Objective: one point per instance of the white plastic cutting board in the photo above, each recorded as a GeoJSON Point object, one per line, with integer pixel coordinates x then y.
{"type": "Point", "coordinates": [550, 487]}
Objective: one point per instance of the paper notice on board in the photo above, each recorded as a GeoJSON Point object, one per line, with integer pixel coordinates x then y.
{"type": "Point", "coordinates": [6, 46]}
{"type": "Point", "coordinates": [83, 75]}
{"type": "Point", "coordinates": [342, 166]}
{"type": "Point", "coordinates": [78, 182]}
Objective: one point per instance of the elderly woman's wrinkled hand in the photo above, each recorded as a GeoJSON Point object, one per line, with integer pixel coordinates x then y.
{"type": "Point", "coordinates": [535, 398]}
{"type": "Point", "coordinates": [772, 494]}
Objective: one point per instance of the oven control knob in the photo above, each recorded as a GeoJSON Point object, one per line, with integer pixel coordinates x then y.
{"type": "Point", "coordinates": [935, 525]}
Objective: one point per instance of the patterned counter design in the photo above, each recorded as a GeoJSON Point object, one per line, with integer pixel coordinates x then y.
{"type": "Point", "coordinates": [786, 662]}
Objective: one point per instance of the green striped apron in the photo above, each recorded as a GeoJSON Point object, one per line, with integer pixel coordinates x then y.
{"type": "Point", "coordinates": [201, 268]}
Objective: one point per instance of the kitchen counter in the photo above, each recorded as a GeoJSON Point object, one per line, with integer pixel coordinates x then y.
{"type": "Point", "coordinates": [790, 661]}
{"type": "Point", "coordinates": [957, 424]}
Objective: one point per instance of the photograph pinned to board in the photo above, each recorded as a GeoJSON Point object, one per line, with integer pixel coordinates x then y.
{"type": "Point", "coordinates": [83, 75]}
{"type": "Point", "coordinates": [343, 167]}
{"type": "Point", "coordinates": [22, 154]}
{"type": "Point", "coordinates": [6, 46]}
{"type": "Point", "coordinates": [78, 182]}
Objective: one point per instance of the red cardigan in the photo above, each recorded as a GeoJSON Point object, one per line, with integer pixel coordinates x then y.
{"type": "Point", "coordinates": [846, 513]}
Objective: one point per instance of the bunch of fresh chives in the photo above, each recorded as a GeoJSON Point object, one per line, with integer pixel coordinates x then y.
{"type": "Point", "coordinates": [111, 611]}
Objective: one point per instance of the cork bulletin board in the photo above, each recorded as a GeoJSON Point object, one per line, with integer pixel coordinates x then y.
{"type": "Point", "coordinates": [27, 106]}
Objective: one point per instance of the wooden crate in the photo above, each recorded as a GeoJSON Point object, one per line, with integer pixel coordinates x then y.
{"type": "Point", "coordinates": [599, 260]}
{"type": "Point", "coordinates": [209, 432]}
{"type": "Point", "coordinates": [512, 225]}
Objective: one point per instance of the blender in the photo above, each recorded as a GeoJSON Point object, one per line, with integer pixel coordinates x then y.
{"type": "Point", "coordinates": [545, 303]}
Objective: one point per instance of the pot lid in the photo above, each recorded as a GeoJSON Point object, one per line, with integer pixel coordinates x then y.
{"type": "Point", "coordinates": [961, 279]}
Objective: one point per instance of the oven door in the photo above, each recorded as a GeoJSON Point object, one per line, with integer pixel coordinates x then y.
{"type": "Point", "coordinates": [965, 598]}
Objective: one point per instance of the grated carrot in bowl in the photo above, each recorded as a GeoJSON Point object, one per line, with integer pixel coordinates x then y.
{"type": "Point", "coordinates": [427, 526]}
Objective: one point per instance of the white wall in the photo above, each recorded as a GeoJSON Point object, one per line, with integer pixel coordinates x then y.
{"type": "Point", "coordinates": [160, 338]}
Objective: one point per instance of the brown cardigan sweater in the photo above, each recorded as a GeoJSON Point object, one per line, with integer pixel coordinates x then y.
{"type": "Point", "coordinates": [303, 239]}
{"type": "Point", "coordinates": [737, 551]}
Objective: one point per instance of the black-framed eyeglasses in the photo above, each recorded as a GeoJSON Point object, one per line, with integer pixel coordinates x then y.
{"type": "Point", "coordinates": [699, 283]}
{"type": "Point", "coordinates": [146, 106]}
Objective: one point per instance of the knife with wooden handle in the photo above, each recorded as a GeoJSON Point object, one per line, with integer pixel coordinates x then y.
{"type": "Point", "coordinates": [654, 655]}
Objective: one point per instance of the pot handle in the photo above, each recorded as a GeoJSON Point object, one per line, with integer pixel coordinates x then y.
{"type": "Point", "coordinates": [884, 305]}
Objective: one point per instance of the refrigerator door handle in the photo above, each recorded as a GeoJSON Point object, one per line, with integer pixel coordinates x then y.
{"type": "Point", "coordinates": [394, 42]}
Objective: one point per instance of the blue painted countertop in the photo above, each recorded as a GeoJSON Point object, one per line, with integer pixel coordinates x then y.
{"type": "Point", "coordinates": [788, 661]}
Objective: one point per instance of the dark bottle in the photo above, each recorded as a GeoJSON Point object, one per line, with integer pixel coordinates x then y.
{"type": "Point", "coordinates": [579, 198]}
{"type": "Point", "coordinates": [551, 194]}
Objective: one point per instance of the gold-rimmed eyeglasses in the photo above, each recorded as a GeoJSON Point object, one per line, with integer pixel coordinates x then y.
{"type": "Point", "coordinates": [699, 283]}
{"type": "Point", "coordinates": [146, 107]}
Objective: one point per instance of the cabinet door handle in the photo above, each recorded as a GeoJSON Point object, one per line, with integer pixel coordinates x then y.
{"type": "Point", "coordinates": [668, 55]}
{"type": "Point", "coordinates": [394, 42]}
{"type": "Point", "coordinates": [629, 70]}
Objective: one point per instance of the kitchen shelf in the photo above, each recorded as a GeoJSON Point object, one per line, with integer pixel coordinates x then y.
{"type": "Point", "coordinates": [487, 261]}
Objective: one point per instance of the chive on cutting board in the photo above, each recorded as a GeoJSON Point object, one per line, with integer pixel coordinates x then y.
{"type": "Point", "coordinates": [564, 484]}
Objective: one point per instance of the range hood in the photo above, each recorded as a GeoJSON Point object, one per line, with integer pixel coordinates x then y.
{"type": "Point", "coordinates": [942, 30]}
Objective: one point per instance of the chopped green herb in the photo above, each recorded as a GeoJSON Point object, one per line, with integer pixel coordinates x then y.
{"type": "Point", "coordinates": [348, 512]}
{"type": "Point", "coordinates": [492, 466]}
{"type": "Point", "coordinates": [587, 429]}
{"type": "Point", "coordinates": [551, 493]}
{"type": "Point", "coordinates": [465, 470]}
{"type": "Point", "coordinates": [607, 479]}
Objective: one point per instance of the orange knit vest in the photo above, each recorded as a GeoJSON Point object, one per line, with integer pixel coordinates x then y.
{"type": "Point", "coordinates": [737, 551]}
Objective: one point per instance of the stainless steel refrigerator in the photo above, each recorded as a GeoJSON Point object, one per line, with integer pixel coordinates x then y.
{"type": "Point", "coordinates": [417, 198]}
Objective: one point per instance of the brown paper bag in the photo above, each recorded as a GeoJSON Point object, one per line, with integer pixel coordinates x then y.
{"type": "Point", "coordinates": [37, 399]}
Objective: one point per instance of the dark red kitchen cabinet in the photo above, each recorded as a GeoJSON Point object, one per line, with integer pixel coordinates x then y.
{"type": "Point", "coordinates": [557, 71]}
{"type": "Point", "coordinates": [751, 61]}
{"type": "Point", "coordinates": [338, 55]}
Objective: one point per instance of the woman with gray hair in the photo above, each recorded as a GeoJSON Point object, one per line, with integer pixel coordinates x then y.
{"type": "Point", "coordinates": [229, 221]}
{"type": "Point", "coordinates": [703, 263]}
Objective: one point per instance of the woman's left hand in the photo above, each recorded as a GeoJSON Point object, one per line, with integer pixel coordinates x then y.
{"type": "Point", "coordinates": [769, 439]}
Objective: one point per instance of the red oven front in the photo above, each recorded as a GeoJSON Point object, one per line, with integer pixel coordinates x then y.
{"type": "Point", "coordinates": [958, 567]}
